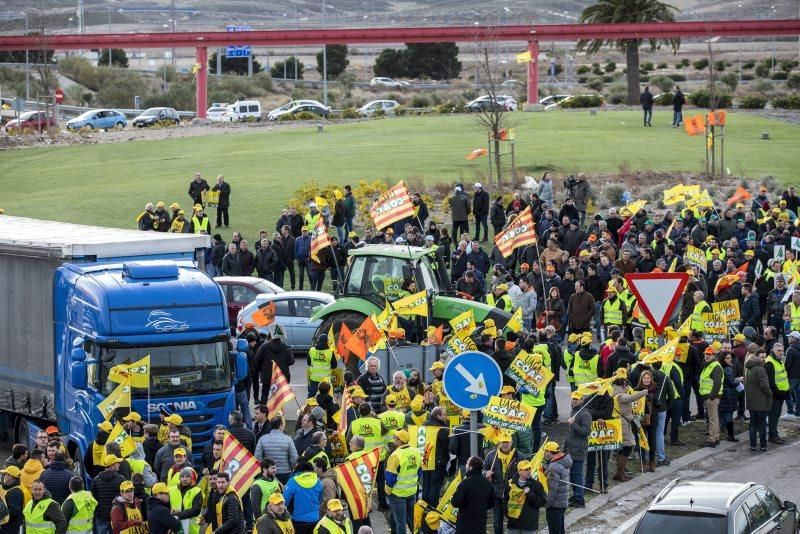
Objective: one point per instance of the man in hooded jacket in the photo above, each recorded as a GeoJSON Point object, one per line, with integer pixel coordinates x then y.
{"type": "Point", "coordinates": [278, 352]}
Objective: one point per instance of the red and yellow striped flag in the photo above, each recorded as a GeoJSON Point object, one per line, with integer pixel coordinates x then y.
{"type": "Point", "coordinates": [279, 392]}
{"type": "Point", "coordinates": [356, 478]}
{"type": "Point", "coordinates": [239, 463]}
{"type": "Point", "coordinates": [392, 206]}
{"type": "Point", "coordinates": [520, 232]}
{"type": "Point", "coordinates": [320, 239]}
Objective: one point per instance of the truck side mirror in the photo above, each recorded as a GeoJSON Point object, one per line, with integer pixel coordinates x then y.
{"type": "Point", "coordinates": [241, 345]}
{"type": "Point", "coordinates": [77, 355]}
{"type": "Point", "coordinates": [242, 369]}
{"type": "Point", "coordinates": [78, 378]}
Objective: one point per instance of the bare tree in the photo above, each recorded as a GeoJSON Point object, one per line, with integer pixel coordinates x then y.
{"type": "Point", "coordinates": [492, 115]}
{"type": "Point", "coordinates": [45, 69]}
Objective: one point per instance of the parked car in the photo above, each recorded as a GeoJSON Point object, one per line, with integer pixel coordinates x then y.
{"type": "Point", "coordinates": [100, 119]}
{"type": "Point", "coordinates": [513, 85]}
{"type": "Point", "coordinates": [370, 108]}
{"type": "Point", "coordinates": [317, 109]}
{"type": "Point", "coordinates": [718, 507]}
{"type": "Point", "coordinates": [552, 99]}
{"type": "Point", "coordinates": [293, 310]}
{"type": "Point", "coordinates": [153, 115]}
{"type": "Point", "coordinates": [486, 102]}
{"type": "Point", "coordinates": [220, 114]}
{"type": "Point", "coordinates": [31, 120]}
{"type": "Point", "coordinates": [246, 109]}
{"type": "Point", "coordinates": [290, 105]}
{"type": "Point", "coordinates": [242, 290]}
{"type": "Point", "coordinates": [382, 81]}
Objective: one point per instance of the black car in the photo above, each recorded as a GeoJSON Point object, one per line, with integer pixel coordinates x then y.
{"type": "Point", "coordinates": [154, 115]}
{"type": "Point", "coordinates": [718, 508]}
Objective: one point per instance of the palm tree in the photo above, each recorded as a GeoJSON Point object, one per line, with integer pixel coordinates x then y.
{"type": "Point", "coordinates": [628, 11]}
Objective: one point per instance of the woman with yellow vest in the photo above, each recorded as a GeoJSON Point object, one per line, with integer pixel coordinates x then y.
{"type": "Point", "coordinates": [42, 514]}
{"type": "Point", "coordinates": [79, 507]}
{"type": "Point", "coordinates": [126, 512]}
{"type": "Point", "coordinates": [186, 500]}
{"type": "Point", "coordinates": [403, 469]}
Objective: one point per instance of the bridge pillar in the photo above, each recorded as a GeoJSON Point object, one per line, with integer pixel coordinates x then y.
{"type": "Point", "coordinates": [533, 73]}
{"type": "Point", "coordinates": [202, 82]}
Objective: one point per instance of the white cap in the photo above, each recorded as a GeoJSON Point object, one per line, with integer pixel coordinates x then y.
{"type": "Point", "coordinates": [429, 238]}
{"type": "Point", "coordinates": [399, 240]}
{"type": "Point", "coordinates": [478, 185]}
{"type": "Point", "coordinates": [795, 334]}
{"type": "Point", "coordinates": [312, 205]}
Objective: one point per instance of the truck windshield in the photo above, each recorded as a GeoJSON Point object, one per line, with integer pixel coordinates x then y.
{"type": "Point", "coordinates": [175, 369]}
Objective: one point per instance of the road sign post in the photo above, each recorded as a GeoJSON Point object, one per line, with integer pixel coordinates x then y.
{"type": "Point", "coordinates": [657, 295]}
{"type": "Point", "coordinates": [470, 379]}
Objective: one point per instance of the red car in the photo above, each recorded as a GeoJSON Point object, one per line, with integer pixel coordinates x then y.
{"type": "Point", "coordinates": [241, 291]}
{"type": "Point", "coordinates": [32, 121]}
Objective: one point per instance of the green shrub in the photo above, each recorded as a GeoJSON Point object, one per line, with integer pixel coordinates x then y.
{"type": "Point", "coordinates": [608, 79]}
{"type": "Point", "coordinates": [665, 83]}
{"type": "Point", "coordinates": [780, 75]}
{"type": "Point", "coordinates": [701, 98]}
{"type": "Point", "coordinates": [664, 99]}
{"type": "Point", "coordinates": [762, 71]}
{"type": "Point", "coordinates": [763, 86]}
{"type": "Point", "coordinates": [790, 101]}
{"type": "Point", "coordinates": [617, 94]}
{"type": "Point", "coordinates": [613, 194]}
{"type": "Point", "coordinates": [595, 83]}
{"type": "Point", "coordinates": [787, 66]}
{"type": "Point", "coordinates": [685, 62]}
{"type": "Point", "coordinates": [379, 113]}
{"type": "Point", "coordinates": [647, 66]}
{"type": "Point", "coordinates": [793, 81]}
{"type": "Point", "coordinates": [583, 69]}
{"type": "Point", "coordinates": [700, 64]}
{"type": "Point", "coordinates": [731, 79]}
{"type": "Point", "coordinates": [661, 66]}
{"type": "Point", "coordinates": [420, 101]}
{"type": "Point", "coordinates": [678, 77]}
{"type": "Point", "coordinates": [753, 101]}
{"type": "Point", "coordinates": [582, 79]}
{"type": "Point", "coordinates": [610, 66]}
{"type": "Point", "coordinates": [443, 109]}
{"type": "Point", "coordinates": [678, 65]}
{"type": "Point", "coordinates": [747, 65]}
{"type": "Point", "coordinates": [644, 79]}
{"type": "Point", "coordinates": [401, 110]}
{"type": "Point", "coordinates": [583, 101]}
{"type": "Point", "coordinates": [719, 65]}
{"type": "Point", "coordinates": [597, 72]}
{"type": "Point", "coordinates": [595, 65]}
{"type": "Point", "coordinates": [350, 113]}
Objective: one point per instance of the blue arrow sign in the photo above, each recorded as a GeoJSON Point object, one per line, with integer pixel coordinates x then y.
{"type": "Point", "coordinates": [470, 378]}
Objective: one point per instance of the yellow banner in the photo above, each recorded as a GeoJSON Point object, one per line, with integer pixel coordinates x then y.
{"type": "Point", "coordinates": [137, 373]}
{"type": "Point", "coordinates": [125, 441]}
{"type": "Point", "coordinates": [424, 438]}
{"type": "Point", "coordinates": [213, 199]}
{"type": "Point", "coordinates": [463, 321]}
{"type": "Point", "coordinates": [416, 304]}
{"type": "Point", "coordinates": [119, 398]}
{"type": "Point", "coordinates": [338, 444]}
{"type": "Point", "coordinates": [728, 310]}
{"type": "Point", "coordinates": [507, 413]}
{"type": "Point", "coordinates": [632, 209]}
{"type": "Point", "coordinates": [714, 327]}
{"type": "Point", "coordinates": [524, 57]}
{"type": "Point", "coordinates": [461, 342]}
{"type": "Point", "coordinates": [695, 256]}
{"type": "Point", "coordinates": [445, 508]}
{"type": "Point", "coordinates": [385, 321]}
{"type": "Point", "coordinates": [605, 435]}
{"type": "Point", "coordinates": [650, 339]}
{"type": "Point", "coordinates": [515, 323]}
{"type": "Point", "coordinates": [528, 371]}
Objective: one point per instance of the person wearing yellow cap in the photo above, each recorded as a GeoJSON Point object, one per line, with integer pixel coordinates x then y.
{"type": "Point", "coordinates": [580, 424]}
{"type": "Point", "coordinates": [557, 473]}
{"type": "Point", "coordinates": [403, 469]}
{"type": "Point", "coordinates": [126, 512]}
{"type": "Point", "coordinates": [201, 224]}
{"type": "Point", "coordinates": [570, 352]}
{"type": "Point", "coordinates": [499, 298]}
{"type": "Point", "coordinates": [436, 438]}
{"type": "Point", "coordinates": [16, 497]}
{"type": "Point", "coordinates": [373, 432]}
{"type": "Point", "coordinates": [417, 413]}
{"type": "Point", "coordinates": [93, 458]}
{"type": "Point", "coordinates": [586, 363]}
{"type": "Point", "coordinates": [42, 514]}
{"type": "Point", "coordinates": [392, 418]}
{"type": "Point", "coordinates": [147, 219]}
{"type": "Point", "coordinates": [179, 462]}
{"type": "Point", "coordinates": [613, 311]}
{"type": "Point", "coordinates": [436, 385]}
{"type": "Point", "coordinates": [160, 519]}
{"type": "Point", "coordinates": [523, 497]}
{"type": "Point", "coordinates": [501, 466]}
{"type": "Point", "coordinates": [275, 518]}
{"type": "Point", "coordinates": [321, 361]}
{"type": "Point", "coordinates": [334, 521]}
{"type": "Point", "coordinates": [132, 424]}
{"type": "Point", "coordinates": [106, 488]}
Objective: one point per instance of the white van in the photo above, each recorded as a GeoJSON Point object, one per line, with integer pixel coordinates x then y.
{"type": "Point", "coordinates": [243, 109]}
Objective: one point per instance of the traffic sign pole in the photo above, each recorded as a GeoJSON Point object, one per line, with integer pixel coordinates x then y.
{"type": "Point", "coordinates": [473, 433]}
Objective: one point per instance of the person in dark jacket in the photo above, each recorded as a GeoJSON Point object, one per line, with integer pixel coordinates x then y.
{"type": "Point", "coordinates": [473, 497]}
{"type": "Point", "coordinates": [433, 480]}
{"type": "Point", "coordinates": [499, 472]}
{"type": "Point", "coordinates": [459, 442]}
{"type": "Point", "coordinates": [159, 517]}
{"type": "Point", "coordinates": [522, 499]}
{"type": "Point", "coordinates": [758, 397]}
{"type": "Point", "coordinates": [196, 188]}
{"type": "Point", "coordinates": [678, 100]}
{"type": "Point", "coordinates": [338, 219]}
{"type": "Point", "coordinates": [750, 309]}
{"type": "Point", "coordinates": [646, 99]}
{"type": "Point", "coordinates": [239, 431]}
{"type": "Point", "coordinates": [151, 445]}
{"type": "Point", "coordinates": [14, 499]}
{"type": "Point", "coordinates": [283, 244]}
{"type": "Point", "coordinates": [105, 488]}
{"type": "Point", "coordinates": [557, 473]}
{"type": "Point", "coordinates": [480, 208]}
{"type": "Point", "coordinates": [231, 262]}
{"type": "Point", "coordinates": [266, 260]}
{"type": "Point", "coordinates": [729, 400]}
{"type": "Point", "coordinates": [497, 215]}
{"type": "Point", "coordinates": [224, 203]}
{"type": "Point", "coordinates": [459, 211]}
{"type": "Point", "coordinates": [600, 407]}
{"type": "Point", "coordinates": [278, 352]}
{"type": "Point", "coordinates": [580, 424]}
{"type": "Point", "coordinates": [232, 513]}
{"type": "Point", "coordinates": [302, 252]}
{"type": "Point", "coordinates": [52, 513]}
{"type": "Point", "coordinates": [792, 364]}
{"type": "Point", "coordinates": [56, 478]}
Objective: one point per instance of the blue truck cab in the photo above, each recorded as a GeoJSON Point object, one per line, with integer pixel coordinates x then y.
{"type": "Point", "coordinates": [102, 297]}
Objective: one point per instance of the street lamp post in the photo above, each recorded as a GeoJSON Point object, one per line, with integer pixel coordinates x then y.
{"type": "Point", "coordinates": [27, 65]}
{"type": "Point", "coordinates": [324, 63]}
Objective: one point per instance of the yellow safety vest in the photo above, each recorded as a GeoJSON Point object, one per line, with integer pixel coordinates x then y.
{"type": "Point", "coordinates": [408, 463]}
{"type": "Point", "coordinates": [35, 523]}
{"type": "Point", "coordinates": [666, 368]}
{"type": "Point", "coordinates": [706, 382]}
{"type": "Point", "coordinates": [174, 477]}
{"type": "Point", "coordinates": [320, 454]}
{"type": "Point", "coordinates": [130, 515]}
{"type": "Point", "coordinates": [394, 420]}
{"type": "Point", "coordinates": [198, 225]}
{"type": "Point", "coordinates": [267, 489]}
{"type": "Point", "coordinates": [503, 301]}
{"type": "Point", "coordinates": [697, 315]}
{"type": "Point", "coordinates": [368, 428]}
{"type": "Point", "coordinates": [320, 364]}
{"type": "Point", "coordinates": [516, 499]}
{"type": "Point", "coordinates": [311, 221]}
{"type": "Point", "coordinates": [585, 370]}
{"type": "Point", "coordinates": [544, 350]}
{"type": "Point", "coordinates": [781, 380]}
{"type": "Point", "coordinates": [568, 356]}
{"type": "Point", "coordinates": [612, 312]}
{"type": "Point", "coordinates": [333, 527]}
{"type": "Point", "coordinates": [180, 502]}
{"type": "Point", "coordinates": [403, 397]}
{"type": "Point", "coordinates": [83, 520]}
{"type": "Point", "coordinates": [794, 316]}
{"type": "Point", "coordinates": [629, 299]}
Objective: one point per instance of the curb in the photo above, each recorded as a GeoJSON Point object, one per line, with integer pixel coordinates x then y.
{"type": "Point", "coordinates": [620, 490]}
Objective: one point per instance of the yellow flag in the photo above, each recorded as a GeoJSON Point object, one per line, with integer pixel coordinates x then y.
{"type": "Point", "coordinates": [674, 195]}
{"type": "Point", "coordinates": [673, 265]}
{"type": "Point", "coordinates": [321, 202]}
{"type": "Point", "coordinates": [703, 200]}
{"type": "Point", "coordinates": [524, 57]}
{"type": "Point", "coordinates": [125, 441]}
{"type": "Point", "coordinates": [385, 321]}
{"type": "Point", "coordinates": [416, 304]}
{"type": "Point", "coordinates": [119, 398]}
{"type": "Point", "coordinates": [137, 374]}
{"type": "Point", "coordinates": [445, 508]}
{"type": "Point", "coordinates": [632, 209]}
{"type": "Point", "coordinates": [515, 323]}
{"type": "Point", "coordinates": [463, 321]}
{"type": "Point", "coordinates": [537, 466]}
{"type": "Point", "coordinates": [332, 341]}
{"type": "Point", "coordinates": [664, 354]}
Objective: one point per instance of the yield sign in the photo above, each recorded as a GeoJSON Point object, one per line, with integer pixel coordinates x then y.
{"type": "Point", "coordinates": [657, 295]}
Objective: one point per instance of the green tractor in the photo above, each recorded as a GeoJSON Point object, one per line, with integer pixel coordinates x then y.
{"type": "Point", "coordinates": [376, 273]}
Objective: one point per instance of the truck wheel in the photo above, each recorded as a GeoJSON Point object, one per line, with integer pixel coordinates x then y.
{"type": "Point", "coordinates": [22, 434]}
{"type": "Point", "coordinates": [353, 321]}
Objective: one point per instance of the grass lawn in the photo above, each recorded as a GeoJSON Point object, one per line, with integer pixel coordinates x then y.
{"type": "Point", "coordinates": [108, 184]}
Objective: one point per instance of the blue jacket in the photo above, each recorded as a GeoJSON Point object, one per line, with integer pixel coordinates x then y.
{"type": "Point", "coordinates": [302, 248]}
{"type": "Point", "coordinates": [305, 491]}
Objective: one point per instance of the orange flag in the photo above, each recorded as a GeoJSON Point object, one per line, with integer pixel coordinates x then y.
{"type": "Point", "coordinates": [740, 195]}
{"type": "Point", "coordinates": [694, 125]}
{"type": "Point", "coordinates": [264, 315]}
{"type": "Point", "coordinates": [341, 343]}
{"type": "Point", "coordinates": [437, 336]}
{"type": "Point", "coordinates": [363, 338]}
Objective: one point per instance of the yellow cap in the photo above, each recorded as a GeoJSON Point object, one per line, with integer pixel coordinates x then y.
{"type": "Point", "coordinates": [160, 204]}
{"type": "Point", "coordinates": [717, 346]}
{"type": "Point", "coordinates": [501, 287]}
{"type": "Point", "coordinates": [197, 207]}
{"type": "Point", "coordinates": [174, 418]}
{"type": "Point", "coordinates": [133, 416]}
{"type": "Point", "coordinates": [739, 337]}
{"type": "Point", "coordinates": [335, 505]}
{"type": "Point", "coordinates": [524, 465]}
{"type": "Point", "coordinates": [312, 402]}
{"type": "Point", "coordinates": [181, 212]}
{"type": "Point", "coordinates": [391, 400]}
{"type": "Point", "coordinates": [489, 323]}
{"type": "Point", "coordinates": [586, 338]}
{"type": "Point", "coordinates": [612, 289]}
{"type": "Point", "coordinates": [551, 446]}
{"type": "Point", "coordinates": [12, 470]}
{"type": "Point", "coordinates": [508, 390]}
{"type": "Point", "coordinates": [276, 498]}
{"type": "Point", "coordinates": [583, 253]}
{"type": "Point", "coordinates": [180, 451]}
{"type": "Point", "coordinates": [433, 520]}
{"type": "Point", "coordinates": [416, 403]}
{"type": "Point", "coordinates": [402, 435]}
{"type": "Point", "coordinates": [105, 426]}
{"type": "Point", "coordinates": [125, 486]}
{"type": "Point", "coordinates": [159, 487]}
{"type": "Point", "coordinates": [110, 460]}
{"type": "Point", "coordinates": [505, 437]}
{"type": "Point", "coordinates": [572, 338]}
{"type": "Point", "coordinates": [436, 365]}
{"type": "Point", "coordinates": [174, 206]}
{"type": "Point", "coordinates": [358, 392]}
{"type": "Point", "coordinates": [576, 395]}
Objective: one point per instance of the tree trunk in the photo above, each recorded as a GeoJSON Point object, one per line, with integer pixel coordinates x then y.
{"type": "Point", "coordinates": [632, 60]}
{"type": "Point", "coordinates": [497, 164]}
